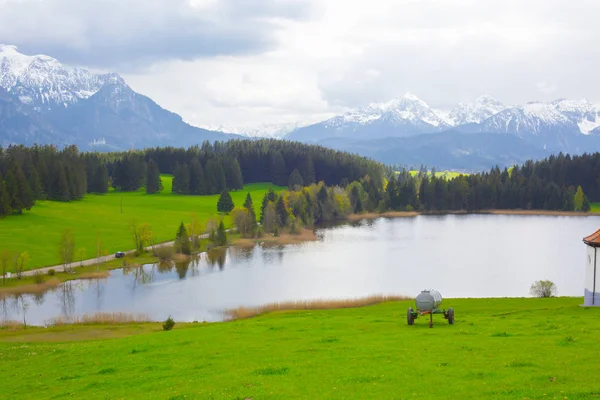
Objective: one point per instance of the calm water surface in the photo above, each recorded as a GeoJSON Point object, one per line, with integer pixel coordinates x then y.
{"type": "Point", "coordinates": [461, 256]}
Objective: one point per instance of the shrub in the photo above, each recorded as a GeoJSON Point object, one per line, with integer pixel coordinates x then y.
{"type": "Point", "coordinates": [260, 232]}
{"type": "Point", "coordinates": [543, 289]}
{"type": "Point", "coordinates": [168, 324]}
{"type": "Point", "coordinates": [38, 278]}
{"type": "Point", "coordinates": [51, 272]}
{"type": "Point", "coordinates": [164, 253]}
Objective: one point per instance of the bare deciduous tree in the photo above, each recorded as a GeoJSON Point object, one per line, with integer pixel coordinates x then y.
{"type": "Point", "coordinates": [4, 260]}
{"type": "Point", "coordinates": [66, 248]}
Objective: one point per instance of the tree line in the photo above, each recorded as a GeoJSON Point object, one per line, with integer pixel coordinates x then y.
{"type": "Point", "coordinates": [35, 173]}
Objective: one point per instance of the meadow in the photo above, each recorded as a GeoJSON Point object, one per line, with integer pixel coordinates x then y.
{"type": "Point", "coordinates": [497, 349]}
{"type": "Point", "coordinates": [38, 231]}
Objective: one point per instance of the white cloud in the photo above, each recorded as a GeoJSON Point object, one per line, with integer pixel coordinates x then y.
{"type": "Point", "coordinates": [324, 56]}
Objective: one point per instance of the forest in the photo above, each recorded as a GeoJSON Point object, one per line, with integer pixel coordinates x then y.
{"type": "Point", "coordinates": [35, 173]}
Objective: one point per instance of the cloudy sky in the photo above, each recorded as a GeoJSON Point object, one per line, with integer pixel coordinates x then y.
{"type": "Point", "coordinates": [249, 62]}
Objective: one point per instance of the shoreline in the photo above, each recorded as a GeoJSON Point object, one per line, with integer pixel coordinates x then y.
{"type": "Point", "coordinates": [407, 214]}
{"type": "Point", "coordinates": [306, 235]}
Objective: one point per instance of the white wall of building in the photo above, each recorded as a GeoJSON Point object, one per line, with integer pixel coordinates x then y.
{"type": "Point", "coordinates": [592, 263]}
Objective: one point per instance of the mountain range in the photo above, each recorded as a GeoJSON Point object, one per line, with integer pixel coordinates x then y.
{"type": "Point", "coordinates": [43, 101]}
{"type": "Point", "coordinates": [471, 136]}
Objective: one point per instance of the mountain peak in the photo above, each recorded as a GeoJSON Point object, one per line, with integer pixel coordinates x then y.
{"type": "Point", "coordinates": [482, 108]}
{"type": "Point", "coordinates": [43, 82]}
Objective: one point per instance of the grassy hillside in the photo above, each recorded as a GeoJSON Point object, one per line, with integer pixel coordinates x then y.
{"type": "Point", "coordinates": [499, 348]}
{"type": "Point", "coordinates": [38, 231]}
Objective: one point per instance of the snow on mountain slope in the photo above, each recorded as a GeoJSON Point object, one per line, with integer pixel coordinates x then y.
{"type": "Point", "coordinates": [274, 131]}
{"type": "Point", "coordinates": [583, 112]}
{"type": "Point", "coordinates": [403, 116]}
{"type": "Point", "coordinates": [556, 118]}
{"type": "Point", "coordinates": [43, 82]}
{"type": "Point", "coordinates": [482, 108]}
{"type": "Point", "coordinates": [399, 110]}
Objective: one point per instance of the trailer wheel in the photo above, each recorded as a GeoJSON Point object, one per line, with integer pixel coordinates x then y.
{"type": "Point", "coordinates": [410, 317]}
{"type": "Point", "coordinates": [450, 316]}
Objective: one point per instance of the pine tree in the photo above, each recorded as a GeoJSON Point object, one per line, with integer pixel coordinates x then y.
{"type": "Point", "coordinates": [197, 184]}
{"type": "Point", "coordinates": [100, 184]}
{"type": "Point", "coordinates": [308, 171]}
{"type": "Point", "coordinates": [153, 181]}
{"type": "Point", "coordinates": [221, 239]}
{"type": "Point", "coordinates": [225, 203]}
{"type": "Point", "coordinates": [182, 241]}
{"type": "Point", "coordinates": [281, 211]}
{"type": "Point", "coordinates": [251, 214]}
{"type": "Point", "coordinates": [60, 186]}
{"type": "Point", "coordinates": [4, 198]}
{"type": "Point", "coordinates": [21, 196]}
{"type": "Point", "coordinates": [215, 176]}
{"type": "Point", "coordinates": [233, 176]}
{"type": "Point", "coordinates": [277, 167]}
{"type": "Point", "coordinates": [270, 196]}
{"type": "Point", "coordinates": [295, 181]}
{"type": "Point", "coordinates": [181, 179]}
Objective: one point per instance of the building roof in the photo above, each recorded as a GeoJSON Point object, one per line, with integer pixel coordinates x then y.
{"type": "Point", "coordinates": [593, 239]}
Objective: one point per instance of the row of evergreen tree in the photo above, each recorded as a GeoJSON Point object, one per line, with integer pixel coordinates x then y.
{"type": "Point", "coordinates": [35, 173]}
{"type": "Point", "coordinates": [28, 174]}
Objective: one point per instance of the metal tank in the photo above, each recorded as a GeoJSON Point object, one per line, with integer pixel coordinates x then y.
{"type": "Point", "coordinates": [428, 300]}
{"type": "Point", "coordinates": [428, 303]}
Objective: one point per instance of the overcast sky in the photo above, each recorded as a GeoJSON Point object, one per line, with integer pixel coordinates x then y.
{"type": "Point", "coordinates": [247, 62]}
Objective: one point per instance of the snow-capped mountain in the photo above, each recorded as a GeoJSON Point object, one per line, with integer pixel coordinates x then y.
{"type": "Point", "coordinates": [473, 113]}
{"type": "Point", "coordinates": [274, 130]}
{"type": "Point", "coordinates": [65, 105]}
{"type": "Point", "coordinates": [403, 116]}
{"type": "Point", "coordinates": [42, 81]}
{"type": "Point", "coordinates": [557, 126]}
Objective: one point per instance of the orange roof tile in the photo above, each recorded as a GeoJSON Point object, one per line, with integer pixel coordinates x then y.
{"type": "Point", "coordinates": [593, 239]}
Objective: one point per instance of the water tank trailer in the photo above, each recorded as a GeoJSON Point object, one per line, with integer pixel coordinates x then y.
{"type": "Point", "coordinates": [428, 302]}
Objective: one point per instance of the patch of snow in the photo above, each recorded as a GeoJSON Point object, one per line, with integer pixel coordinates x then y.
{"type": "Point", "coordinates": [43, 80]}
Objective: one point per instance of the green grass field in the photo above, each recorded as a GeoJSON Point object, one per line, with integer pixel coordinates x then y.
{"type": "Point", "coordinates": [595, 207]}
{"type": "Point", "coordinates": [498, 349]}
{"type": "Point", "coordinates": [38, 231]}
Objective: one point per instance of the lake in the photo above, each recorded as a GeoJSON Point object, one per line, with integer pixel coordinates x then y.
{"type": "Point", "coordinates": [459, 255]}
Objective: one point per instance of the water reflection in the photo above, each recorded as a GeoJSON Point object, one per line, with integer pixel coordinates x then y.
{"type": "Point", "coordinates": [450, 253]}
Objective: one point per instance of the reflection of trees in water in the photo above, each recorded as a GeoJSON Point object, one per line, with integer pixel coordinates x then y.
{"type": "Point", "coordinates": [272, 254]}
{"type": "Point", "coordinates": [241, 253]}
{"type": "Point", "coordinates": [165, 266]}
{"type": "Point", "coordinates": [67, 299]}
{"type": "Point", "coordinates": [99, 289]}
{"type": "Point", "coordinates": [38, 298]}
{"type": "Point", "coordinates": [182, 268]}
{"type": "Point", "coordinates": [217, 256]}
{"type": "Point", "coordinates": [142, 275]}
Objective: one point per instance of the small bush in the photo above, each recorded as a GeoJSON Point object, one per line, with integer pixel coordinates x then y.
{"type": "Point", "coordinates": [164, 253]}
{"type": "Point", "coordinates": [38, 278]}
{"type": "Point", "coordinates": [51, 272]}
{"type": "Point", "coordinates": [276, 231]}
{"type": "Point", "coordinates": [168, 324]}
{"type": "Point", "coordinates": [543, 289]}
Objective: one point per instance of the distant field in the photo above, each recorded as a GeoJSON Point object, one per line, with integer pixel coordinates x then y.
{"type": "Point", "coordinates": [38, 231]}
{"type": "Point", "coordinates": [441, 174]}
{"type": "Point", "coordinates": [595, 207]}
{"type": "Point", "coordinates": [498, 349]}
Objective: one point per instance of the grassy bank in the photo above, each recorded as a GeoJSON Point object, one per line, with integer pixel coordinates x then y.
{"type": "Point", "coordinates": [38, 231]}
{"type": "Point", "coordinates": [499, 348]}
{"type": "Point", "coordinates": [45, 282]}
